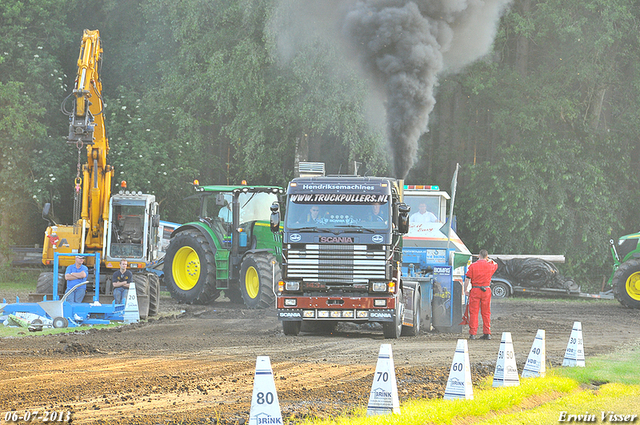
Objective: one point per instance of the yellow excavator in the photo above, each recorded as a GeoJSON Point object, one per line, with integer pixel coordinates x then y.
{"type": "Point", "coordinates": [122, 225]}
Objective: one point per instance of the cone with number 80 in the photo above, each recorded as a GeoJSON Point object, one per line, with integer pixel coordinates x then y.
{"type": "Point", "coordinates": [265, 408]}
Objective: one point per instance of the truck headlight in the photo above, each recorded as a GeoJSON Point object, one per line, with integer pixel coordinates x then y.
{"type": "Point", "coordinates": [290, 302]}
{"type": "Point", "coordinates": [379, 286]}
{"type": "Point", "coordinates": [292, 286]}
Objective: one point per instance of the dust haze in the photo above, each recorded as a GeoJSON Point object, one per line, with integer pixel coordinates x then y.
{"type": "Point", "coordinates": [401, 46]}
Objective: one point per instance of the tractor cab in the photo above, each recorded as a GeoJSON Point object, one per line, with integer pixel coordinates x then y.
{"type": "Point", "coordinates": [235, 209]}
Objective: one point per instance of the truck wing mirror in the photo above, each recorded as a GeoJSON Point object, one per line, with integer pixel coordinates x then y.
{"type": "Point", "coordinates": [275, 217]}
{"type": "Point", "coordinates": [46, 210]}
{"type": "Point", "coordinates": [403, 218]}
{"type": "Point", "coordinates": [220, 199]}
{"type": "Point", "coordinates": [47, 214]}
{"type": "Point", "coordinates": [155, 220]}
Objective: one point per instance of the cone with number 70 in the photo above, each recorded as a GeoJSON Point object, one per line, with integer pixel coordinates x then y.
{"type": "Point", "coordinates": [384, 390]}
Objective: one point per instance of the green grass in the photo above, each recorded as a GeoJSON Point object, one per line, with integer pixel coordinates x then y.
{"type": "Point", "coordinates": [609, 383]}
{"type": "Point", "coordinates": [617, 398]}
{"type": "Point", "coordinates": [18, 283]}
{"type": "Point", "coordinates": [622, 366]}
{"type": "Point", "coordinates": [486, 400]}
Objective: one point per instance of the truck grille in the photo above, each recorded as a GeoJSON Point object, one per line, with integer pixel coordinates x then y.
{"type": "Point", "coordinates": [337, 264]}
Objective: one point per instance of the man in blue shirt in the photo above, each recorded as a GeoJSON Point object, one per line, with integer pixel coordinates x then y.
{"type": "Point", "coordinates": [76, 273]}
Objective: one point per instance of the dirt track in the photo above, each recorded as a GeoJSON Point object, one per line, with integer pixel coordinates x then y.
{"type": "Point", "coordinates": [196, 364]}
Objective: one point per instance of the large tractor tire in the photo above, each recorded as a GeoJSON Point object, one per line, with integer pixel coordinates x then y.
{"type": "Point", "coordinates": [45, 284]}
{"type": "Point", "coordinates": [154, 294]}
{"type": "Point", "coordinates": [626, 283]}
{"type": "Point", "coordinates": [190, 269]}
{"type": "Point", "coordinates": [142, 292]}
{"type": "Point", "coordinates": [256, 280]}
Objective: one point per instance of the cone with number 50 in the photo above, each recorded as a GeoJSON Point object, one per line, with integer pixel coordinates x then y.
{"type": "Point", "coordinates": [506, 373]}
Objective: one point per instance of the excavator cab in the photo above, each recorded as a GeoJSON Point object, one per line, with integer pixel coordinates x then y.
{"type": "Point", "coordinates": [133, 228]}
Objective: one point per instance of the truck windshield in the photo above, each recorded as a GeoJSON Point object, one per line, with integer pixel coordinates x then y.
{"type": "Point", "coordinates": [312, 216]}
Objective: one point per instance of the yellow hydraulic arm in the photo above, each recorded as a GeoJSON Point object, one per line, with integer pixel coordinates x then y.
{"type": "Point", "coordinates": [86, 128]}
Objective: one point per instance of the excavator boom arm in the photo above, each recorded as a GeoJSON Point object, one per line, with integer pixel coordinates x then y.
{"type": "Point", "coordinates": [86, 128]}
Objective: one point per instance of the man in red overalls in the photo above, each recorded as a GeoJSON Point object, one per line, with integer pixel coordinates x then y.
{"type": "Point", "coordinates": [479, 276]}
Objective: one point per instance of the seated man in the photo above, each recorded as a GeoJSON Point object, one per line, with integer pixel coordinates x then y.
{"type": "Point", "coordinates": [120, 281]}
{"type": "Point", "coordinates": [377, 214]}
{"type": "Point", "coordinates": [225, 213]}
{"type": "Point", "coordinates": [313, 216]}
{"type": "Point", "coordinates": [422, 216]}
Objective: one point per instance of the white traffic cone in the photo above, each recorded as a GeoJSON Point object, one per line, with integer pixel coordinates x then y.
{"type": "Point", "coordinates": [131, 313]}
{"type": "Point", "coordinates": [574, 356]}
{"type": "Point", "coordinates": [384, 390]}
{"type": "Point", "coordinates": [506, 373]}
{"type": "Point", "coordinates": [535, 365]}
{"type": "Point", "coordinates": [459, 384]}
{"type": "Point", "coordinates": [265, 408]}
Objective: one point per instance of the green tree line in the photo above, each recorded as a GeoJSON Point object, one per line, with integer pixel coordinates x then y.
{"type": "Point", "coordinates": [544, 126]}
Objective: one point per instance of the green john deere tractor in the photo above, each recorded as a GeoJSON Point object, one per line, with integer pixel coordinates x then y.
{"type": "Point", "coordinates": [625, 279]}
{"type": "Point", "coordinates": [229, 248]}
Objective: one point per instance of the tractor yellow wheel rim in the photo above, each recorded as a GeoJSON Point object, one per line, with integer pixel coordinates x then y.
{"type": "Point", "coordinates": [186, 268]}
{"type": "Point", "coordinates": [633, 286]}
{"type": "Point", "coordinates": [252, 282]}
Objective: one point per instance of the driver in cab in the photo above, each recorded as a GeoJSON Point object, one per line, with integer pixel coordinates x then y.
{"type": "Point", "coordinates": [377, 215]}
{"type": "Point", "coordinates": [312, 216]}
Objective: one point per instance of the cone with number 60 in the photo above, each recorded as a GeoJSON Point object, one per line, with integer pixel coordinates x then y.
{"type": "Point", "coordinates": [459, 383]}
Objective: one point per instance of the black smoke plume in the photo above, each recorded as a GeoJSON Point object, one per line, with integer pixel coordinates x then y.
{"type": "Point", "coordinates": [403, 46]}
